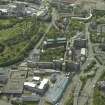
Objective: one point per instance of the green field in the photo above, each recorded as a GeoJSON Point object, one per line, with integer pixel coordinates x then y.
{"type": "Point", "coordinates": [18, 38]}
{"type": "Point", "coordinates": [51, 54]}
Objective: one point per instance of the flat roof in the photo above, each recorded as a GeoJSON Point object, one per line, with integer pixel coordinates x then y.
{"type": "Point", "coordinates": [4, 10]}
{"type": "Point", "coordinates": [15, 82]}
{"type": "Point", "coordinates": [43, 83]}
{"type": "Point", "coordinates": [14, 87]}
{"type": "Point", "coordinates": [36, 78]}
{"type": "Point", "coordinates": [30, 84]}
{"type": "Point", "coordinates": [83, 51]}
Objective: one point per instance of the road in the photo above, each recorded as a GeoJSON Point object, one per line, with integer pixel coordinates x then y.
{"type": "Point", "coordinates": [86, 96]}
{"type": "Point", "coordinates": [90, 56]}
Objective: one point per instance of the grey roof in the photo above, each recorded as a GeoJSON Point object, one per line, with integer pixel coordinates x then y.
{"type": "Point", "coordinates": [3, 78]}
{"type": "Point", "coordinates": [14, 87]}
{"type": "Point", "coordinates": [56, 92]}
{"type": "Point", "coordinates": [30, 98]}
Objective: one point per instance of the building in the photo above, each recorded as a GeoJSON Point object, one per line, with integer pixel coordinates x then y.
{"type": "Point", "coordinates": [55, 42]}
{"type": "Point", "coordinates": [45, 71]}
{"type": "Point", "coordinates": [38, 2]}
{"type": "Point", "coordinates": [80, 43]}
{"type": "Point", "coordinates": [30, 86]}
{"type": "Point", "coordinates": [43, 83]}
{"type": "Point", "coordinates": [101, 28]}
{"type": "Point", "coordinates": [101, 85]}
{"type": "Point", "coordinates": [3, 79]}
{"type": "Point", "coordinates": [56, 65]}
{"type": "Point", "coordinates": [3, 11]}
{"type": "Point", "coordinates": [34, 56]}
{"type": "Point", "coordinates": [42, 88]}
{"type": "Point", "coordinates": [41, 65]}
{"type": "Point", "coordinates": [53, 78]}
{"type": "Point", "coordinates": [72, 66]}
{"type": "Point", "coordinates": [25, 98]}
{"type": "Point", "coordinates": [35, 78]}
{"type": "Point", "coordinates": [14, 87]}
{"type": "Point", "coordinates": [68, 1]}
{"type": "Point", "coordinates": [15, 83]}
{"type": "Point", "coordinates": [63, 2]}
{"type": "Point", "coordinates": [56, 92]}
{"type": "Point", "coordinates": [37, 86]}
{"type": "Point", "coordinates": [83, 51]}
{"type": "Point", "coordinates": [31, 98]}
{"type": "Point", "coordinates": [18, 9]}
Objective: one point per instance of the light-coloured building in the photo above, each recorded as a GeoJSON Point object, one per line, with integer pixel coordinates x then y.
{"type": "Point", "coordinates": [43, 83]}
{"type": "Point", "coordinates": [83, 51]}
{"type": "Point", "coordinates": [36, 78]}
{"type": "Point", "coordinates": [29, 84]}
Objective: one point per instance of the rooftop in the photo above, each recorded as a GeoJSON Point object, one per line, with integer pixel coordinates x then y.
{"type": "Point", "coordinates": [43, 83]}
{"type": "Point", "coordinates": [36, 78]}
{"type": "Point", "coordinates": [30, 84]}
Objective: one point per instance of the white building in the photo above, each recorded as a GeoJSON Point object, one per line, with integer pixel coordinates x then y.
{"type": "Point", "coordinates": [43, 83]}
{"type": "Point", "coordinates": [29, 84]}
{"type": "Point", "coordinates": [83, 51]}
{"type": "Point", "coordinates": [36, 78]}
{"type": "Point", "coordinates": [3, 10]}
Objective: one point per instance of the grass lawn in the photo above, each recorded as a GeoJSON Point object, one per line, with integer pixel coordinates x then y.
{"type": "Point", "coordinates": [19, 39]}
{"type": "Point", "coordinates": [6, 23]}
{"type": "Point", "coordinates": [15, 31]}
{"type": "Point", "coordinates": [52, 54]}
{"type": "Point", "coordinates": [54, 33]}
